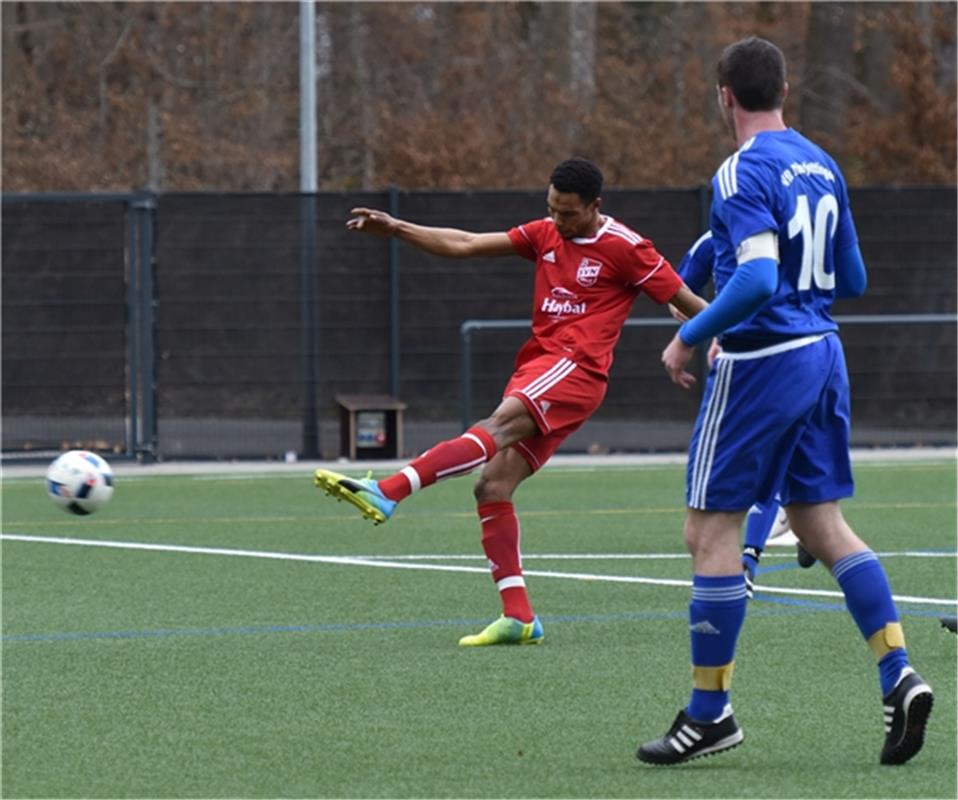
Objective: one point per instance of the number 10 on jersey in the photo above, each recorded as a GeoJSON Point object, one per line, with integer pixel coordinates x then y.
{"type": "Point", "coordinates": [815, 237]}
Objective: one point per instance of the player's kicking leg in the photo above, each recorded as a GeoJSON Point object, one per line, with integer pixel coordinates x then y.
{"type": "Point", "coordinates": [377, 500]}
{"type": "Point", "coordinates": [364, 493]}
{"type": "Point", "coordinates": [759, 521]}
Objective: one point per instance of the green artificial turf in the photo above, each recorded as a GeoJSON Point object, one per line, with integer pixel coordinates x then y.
{"type": "Point", "coordinates": [150, 673]}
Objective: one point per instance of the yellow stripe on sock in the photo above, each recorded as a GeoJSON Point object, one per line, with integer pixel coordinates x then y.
{"type": "Point", "coordinates": [713, 679]}
{"type": "Point", "coordinates": [886, 639]}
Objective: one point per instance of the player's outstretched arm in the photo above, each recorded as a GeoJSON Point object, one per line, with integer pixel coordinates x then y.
{"type": "Point", "coordinates": [687, 303]}
{"type": "Point", "coordinates": [449, 242]}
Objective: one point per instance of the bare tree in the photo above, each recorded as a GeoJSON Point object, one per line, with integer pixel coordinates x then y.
{"type": "Point", "coordinates": [358, 37]}
{"type": "Point", "coordinates": [826, 86]}
{"type": "Point", "coordinates": [193, 96]}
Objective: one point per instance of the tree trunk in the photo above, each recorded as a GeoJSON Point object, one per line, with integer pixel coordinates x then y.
{"type": "Point", "coordinates": [358, 34]}
{"type": "Point", "coordinates": [827, 83]}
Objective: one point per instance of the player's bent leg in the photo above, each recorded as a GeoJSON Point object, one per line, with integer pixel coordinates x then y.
{"type": "Point", "coordinates": [822, 531]}
{"type": "Point", "coordinates": [363, 493]}
{"type": "Point", "coordinates": [511, 422]}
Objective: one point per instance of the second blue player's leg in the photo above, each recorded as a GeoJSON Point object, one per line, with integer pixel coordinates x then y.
{"type": "Point", "coordinates": [758, 524]}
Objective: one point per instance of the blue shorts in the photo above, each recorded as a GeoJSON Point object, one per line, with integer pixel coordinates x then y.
{"type": "Point", "coordinates": [772, 420]}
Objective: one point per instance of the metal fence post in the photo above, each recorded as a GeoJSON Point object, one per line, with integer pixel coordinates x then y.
{"type": "Point", "coordinates": [394, 299]}
{"type": "Point", "coordinates": [308, 185]}
{"type": "Point", "coordinates": [705, 208]}
{"type": "Point", "coordinates": [132, 333]}
{"type": "Point", "coordinates": [146, 437]}
{"type": "Point", "coordinates": [465, 335]}
{"type": "Point", "coordinates": [307, 272]}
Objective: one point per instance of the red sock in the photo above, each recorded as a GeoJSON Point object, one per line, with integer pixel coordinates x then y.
{"type": "Point", "coordinates": [446, 460]}
{"type": "Point", "coordinates": [500, 540]}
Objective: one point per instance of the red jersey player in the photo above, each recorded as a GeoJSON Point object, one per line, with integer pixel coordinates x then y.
{"type": "Point", "coordinates": [589, 270]}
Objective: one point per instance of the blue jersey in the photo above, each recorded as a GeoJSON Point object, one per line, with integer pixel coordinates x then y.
{"type": "Point", "coordinates": [779, 181]}
{"type": "Point", "coordinates": [696, 266]}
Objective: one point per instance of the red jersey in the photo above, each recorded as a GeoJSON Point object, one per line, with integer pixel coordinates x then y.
{"type": "Point", "coordinates": [584, 288]}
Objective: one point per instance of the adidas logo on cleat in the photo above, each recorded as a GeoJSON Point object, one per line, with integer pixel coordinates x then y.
{"type": "Point", "coordinates": [906, 710]}
{"type": "Point", "coordinates": [688, 739]}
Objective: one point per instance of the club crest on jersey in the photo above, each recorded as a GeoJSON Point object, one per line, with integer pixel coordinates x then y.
{"type": "Point", "coordinates": [588, 272]}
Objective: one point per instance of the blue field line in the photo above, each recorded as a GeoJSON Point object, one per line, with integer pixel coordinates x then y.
{"type": "Point", "coordinates": [767, 569]}
{"type": "Point", "coordinates": [813, 605]}
{"type": "Point", "coordinates": [784, 605]}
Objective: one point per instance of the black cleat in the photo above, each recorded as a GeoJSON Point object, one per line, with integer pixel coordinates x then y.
{"type": "Point", "coordinates": [750, 557]}
{"type": "Point", "coordinates": [805, 559]}
{"type": "Point", "coordinates": [688, 739]}
{"type": "Point", "coordinates": [907, 708]}
{"type": "Point", "coordinates": [951, 623]}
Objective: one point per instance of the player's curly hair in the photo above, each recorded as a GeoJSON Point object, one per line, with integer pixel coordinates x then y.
{"type": "Point", "coordinates": [754, 69]}
{"type": "Point", "coordinates": [579, 176]}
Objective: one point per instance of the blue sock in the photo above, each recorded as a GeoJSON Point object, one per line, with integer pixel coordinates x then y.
{"type": "Point", "coordinates": [758, 524]}
{"type": "Point", "coordinates": [890, 667]}
{"type": "Point", "coordinates": [868, 597]}
{"type": "Point", "coordinates": [716, 614]}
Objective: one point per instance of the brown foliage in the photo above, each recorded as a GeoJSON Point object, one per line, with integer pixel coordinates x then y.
{"type": "Point", "coordinates": [914, 141]}
{"type": "Point", "coordinates": [199, 96]}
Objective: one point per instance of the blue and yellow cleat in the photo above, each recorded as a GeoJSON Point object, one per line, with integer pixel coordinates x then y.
{"type": "Point", "coordinates": [364, 493]}
{"type": "Point", "coordinates": [506, 630]}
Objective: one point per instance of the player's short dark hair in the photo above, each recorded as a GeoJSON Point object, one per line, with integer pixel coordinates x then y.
{"type": "Point", "coordinates": [754, 69]}
{"type": "Point", "coordinates": [579, 176]}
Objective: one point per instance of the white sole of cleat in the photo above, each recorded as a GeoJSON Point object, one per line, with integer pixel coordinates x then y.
{"type": "Point", "coordinates": [729, 742]}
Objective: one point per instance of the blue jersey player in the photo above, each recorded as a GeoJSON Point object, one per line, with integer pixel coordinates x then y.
{"type": "Point", "coordinates": [696, 270]}
{"type": "Point", "coordinates": [785, 248]}
{"type": "Point", "coordinates": [696, 265]}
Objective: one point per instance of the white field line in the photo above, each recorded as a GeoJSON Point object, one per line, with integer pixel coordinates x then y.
{"type": "Point", "coordinates": [630, 556]}
{"type": "Point", "coordinates": [393, 563]}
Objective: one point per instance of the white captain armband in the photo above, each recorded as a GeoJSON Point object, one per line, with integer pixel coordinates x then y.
{"type": "Point", "coordinates": [761, 245]}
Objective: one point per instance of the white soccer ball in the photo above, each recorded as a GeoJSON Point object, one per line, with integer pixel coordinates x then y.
{"type": "Point", "coordinates": [781, 533]}
{"type": "Point", "coordinates": [80, 482]}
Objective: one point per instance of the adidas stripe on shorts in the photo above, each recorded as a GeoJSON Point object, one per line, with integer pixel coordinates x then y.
{"type": "Point", "coordinates": [773, 417]}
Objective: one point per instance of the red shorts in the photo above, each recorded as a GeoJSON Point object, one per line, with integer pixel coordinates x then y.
{"type": "Point", "coordinates": [560, 396]}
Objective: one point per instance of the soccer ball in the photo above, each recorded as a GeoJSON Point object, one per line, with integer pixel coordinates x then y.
{"type": "Point", "coordinates": [80, 482]}
{"type": "Point", "coordinates": [781, 532]}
